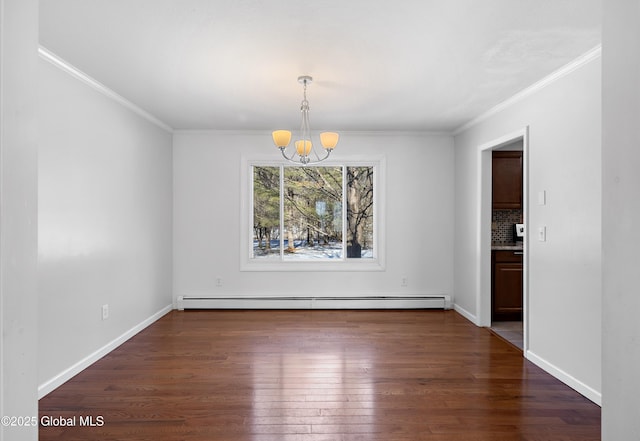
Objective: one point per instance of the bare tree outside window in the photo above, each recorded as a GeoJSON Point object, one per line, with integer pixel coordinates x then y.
{"type": "Point", "coordinates": [298, 212]}
{"type": "Point", "coordinates": [359, 211]}
{"type": "Point", "coordinates": [266, 212]}
{"type": "Point", "coordinates": [313, 212]}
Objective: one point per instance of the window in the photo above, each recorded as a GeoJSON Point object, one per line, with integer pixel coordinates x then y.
{"type": "Point", "coordinates": [320, 217]}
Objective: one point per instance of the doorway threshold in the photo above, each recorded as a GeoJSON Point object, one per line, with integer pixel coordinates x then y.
{"type": "Point", "coordinates": [511, 332]}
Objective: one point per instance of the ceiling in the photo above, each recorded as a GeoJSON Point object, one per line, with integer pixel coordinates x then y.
{"type": "Point", "coordinates": [407, 65]}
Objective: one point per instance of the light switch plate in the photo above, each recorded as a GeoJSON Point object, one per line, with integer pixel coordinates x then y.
{"type": "Point", "coordinates": [542, 234]}
{"type": "Point", "coordinates": [542, 197]}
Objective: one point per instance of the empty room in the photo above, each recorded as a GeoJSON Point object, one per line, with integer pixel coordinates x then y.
{"type": "Point", "coordinates": [340, 220]}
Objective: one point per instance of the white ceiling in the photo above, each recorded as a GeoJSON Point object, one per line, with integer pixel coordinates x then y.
{"type": "Point", "coordinates": [429, 65]}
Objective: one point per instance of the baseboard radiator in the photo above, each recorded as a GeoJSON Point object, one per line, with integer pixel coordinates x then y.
{"type": "Point", "coordinates": [373, 302]}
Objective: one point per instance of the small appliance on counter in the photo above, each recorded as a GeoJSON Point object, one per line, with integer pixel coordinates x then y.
{"type": "Point", "coordinates": [518, 232]}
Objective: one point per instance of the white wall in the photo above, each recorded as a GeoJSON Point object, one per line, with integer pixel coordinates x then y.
{"type": "Point", "coordinates": [564, 272]}
{"type": "Point", "coordinates": [18, 215]}
{"type": "Point", "coordinates": [620, 220]}
{"type": "Point", "coordinates": [418, 222]}
{"type": "Point", "coordinates": [105, 221]}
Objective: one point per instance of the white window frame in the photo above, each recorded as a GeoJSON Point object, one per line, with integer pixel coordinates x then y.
{"type": "Point", "coordinates": [377, 263]}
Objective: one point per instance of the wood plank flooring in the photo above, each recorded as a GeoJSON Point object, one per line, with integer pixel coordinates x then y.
{"type": "Point", "coordinates": [317, 376]}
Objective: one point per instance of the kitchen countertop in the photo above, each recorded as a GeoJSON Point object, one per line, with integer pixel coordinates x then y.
{"type": "Point", "coordinates": [506, 246]}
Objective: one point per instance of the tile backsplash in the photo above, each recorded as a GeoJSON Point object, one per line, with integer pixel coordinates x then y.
{"type": "Point", "coordinates": [502, 225]}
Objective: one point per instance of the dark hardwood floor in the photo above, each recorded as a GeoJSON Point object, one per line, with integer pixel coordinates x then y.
{"type": "Point", "coordinates": [316, 376]}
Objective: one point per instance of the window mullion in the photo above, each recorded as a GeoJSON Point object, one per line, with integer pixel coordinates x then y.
{"type": "Point", "coordinates": [344, 213]}
{"type": "Point", "coordinates": [376, 223]}
{"type": "Point", "coordinates": [281, 174]}
{"type": "Point", "coordinates": [252, 208]}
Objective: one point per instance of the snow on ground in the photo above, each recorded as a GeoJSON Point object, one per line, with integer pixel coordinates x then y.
{"type": "Point", "coordinates": [304, 252]}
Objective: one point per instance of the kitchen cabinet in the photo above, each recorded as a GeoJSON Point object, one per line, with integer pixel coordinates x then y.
{"type": "Point", "coordinates": [507, 180]}
{"type": "Point", "coordinates": [506, 285]}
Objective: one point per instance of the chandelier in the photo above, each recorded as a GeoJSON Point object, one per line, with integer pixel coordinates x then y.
{"type": "Point", "coordinates": [304, 151]}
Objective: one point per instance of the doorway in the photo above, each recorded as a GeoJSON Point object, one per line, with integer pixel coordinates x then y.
{"type": "Point", "coordinates": [512, 330]}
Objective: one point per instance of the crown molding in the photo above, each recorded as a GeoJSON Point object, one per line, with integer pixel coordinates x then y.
{"type": "Point", "coordinates": [67, 67]}
{"type": "Point", "coordinates": [584, 59]}
{"type": "Point", "coordinates": [259, 132]}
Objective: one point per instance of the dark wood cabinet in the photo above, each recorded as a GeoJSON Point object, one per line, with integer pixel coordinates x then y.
{"type": "Point", "coordinates": [506, 292]}
{"type": "Point", "coordinates": [507, 180]}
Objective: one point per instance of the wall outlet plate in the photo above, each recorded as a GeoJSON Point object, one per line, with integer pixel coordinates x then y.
{"type": "Point", "coordinates": [105, 312]}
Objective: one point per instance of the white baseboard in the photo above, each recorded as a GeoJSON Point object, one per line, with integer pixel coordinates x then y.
{"type": "Point", "coordinates": [551, 369]}
{"type": "Point", "coordinates": [567, 379]}
{"type": "Point", "coordinates": [338, 302]}
{"type": "Point", "coordinates": [51, 384]}
{"type": "Point", "coordinates": [466, 314]}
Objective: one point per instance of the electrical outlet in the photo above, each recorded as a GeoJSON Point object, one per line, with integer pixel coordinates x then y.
{"type": "Point", "coordinates": [404, 281]}
{"type": "Point", "coordinates": [218, 281]}
{"type": "Point", "coordinates": [105, 312]}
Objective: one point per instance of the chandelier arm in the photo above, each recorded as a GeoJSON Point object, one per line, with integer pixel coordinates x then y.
{"type": "Point", "coordinates": [327, 153]}
{"type": "Point", "coordinates": [301, 159]}
{"type": "Point", "coordinates": [288, 158]}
